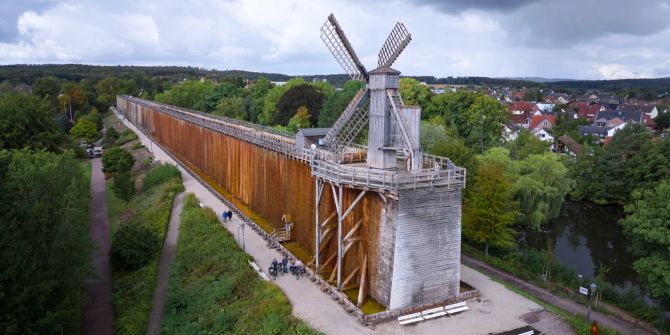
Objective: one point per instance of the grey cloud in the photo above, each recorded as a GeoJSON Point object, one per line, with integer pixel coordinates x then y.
{"type": "Point", "coordinates": [10, 12]}
{"type": "Point", "coordinates": [557, 24]}
{"type": "Point", "coordinates": [457, 6]}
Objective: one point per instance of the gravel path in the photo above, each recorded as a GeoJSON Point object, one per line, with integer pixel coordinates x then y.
{"type": "Point", "coordinates": [608, 321]}
{"type": "Point", "coordinates": [99, 316]}
{"type": "Point", "coordinates": [167, 257]}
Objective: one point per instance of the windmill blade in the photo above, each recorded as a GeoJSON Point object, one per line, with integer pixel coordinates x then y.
{"type": "Point", "coordinates": [338, 44]}
{"type": "Point", "coordinates": [395, 43]}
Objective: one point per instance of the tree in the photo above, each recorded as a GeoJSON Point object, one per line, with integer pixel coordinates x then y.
{"type": "Point", "coordinates": [45, 253]}
{"type": "Point", "coordinates": [272, 98]}
{"type": "Point", "coordinates": [294, 98]}
{"type": "Point", "coordinates": [86, 129]}
{"type": "Point", "coordinates": [300, 119]}
{"type": "Point", "coordinates": [133, 246]}
{"type": "Point", "coordinates": [532, 95]}
{"type": "Point", "coordinates": [631, 160]}
{"type": "Point", "coordinates": [662, 120]}
{"type": "Point", "coordinates": [46, 87]}
{"type": "Point", "coordinates": [231, 107]}
{"type": "Point", "coordinates": [540, 187]}
{"type": "Point", "coordinates": [213, 97]}
{"type": "Point", "coordinates": [647, 226]}
{"type": "Point", "coordinates": [485, 119]}
{"type": "Point", "coordinates": [123, 184]}
{"type": "Point", "coordinates": [527, 144]}
{"type": "Point", "coordinates": [431, 133]}
{"type": "Point", "coordinates": [455, 149]}
{"type": "Point", "coordinates": [107, 90]}
{"type": "Point", "coordinates": [25, 123]}
{"type": "Point", "coordinates": [414, 93]}
{"type": "Point", "coordinates": [452, 106]}
{"type": "Point", "coordinates": [337, 102]}
{"type": "Point", "coordinates": [115, 158]}
{"type": "Point", "coordinates": [188, 94]}
{"type": "Point", "coordinates": [490, 211]}
{"type": "Point", "coordinates": [256, 98]}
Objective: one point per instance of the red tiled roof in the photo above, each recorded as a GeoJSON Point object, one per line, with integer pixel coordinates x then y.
{"type": "Point", "coordinates": [537, 119]}
{"type": "Point", "coordinates": [519, 118]}
{"type": "Point", "coordinates": [523, 106]}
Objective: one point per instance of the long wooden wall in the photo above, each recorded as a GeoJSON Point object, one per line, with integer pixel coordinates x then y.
{"type": "Point", "coordinates": [268, 182]}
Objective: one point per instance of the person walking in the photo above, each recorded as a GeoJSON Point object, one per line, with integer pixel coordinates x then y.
{"type": "Point", "coordinates": [230, 215]}
{"type": "Point", "coordinates": [224, 215]}
{"type": "Point", "coordinates": [284, 263]}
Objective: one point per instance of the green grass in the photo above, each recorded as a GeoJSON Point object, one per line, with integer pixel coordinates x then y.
{"type": "Point", "coordinates": [213, 290]}
{"type": "Point", "coordinates": [133, 290]}
{"type": "Point", "coordinates": [115, 207]}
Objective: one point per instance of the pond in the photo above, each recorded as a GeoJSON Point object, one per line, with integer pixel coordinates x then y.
{"type": "Point", "coordinates": [587, 238]}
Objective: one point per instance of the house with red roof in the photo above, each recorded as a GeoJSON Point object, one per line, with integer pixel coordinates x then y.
{"type": "Point", "coordinates": [543, 121]}
{"type": "Point", "coordinates": [521, 112]}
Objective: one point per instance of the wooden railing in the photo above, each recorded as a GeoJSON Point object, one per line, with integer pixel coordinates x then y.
{"type": "Point", "coordinates": [437, 171]}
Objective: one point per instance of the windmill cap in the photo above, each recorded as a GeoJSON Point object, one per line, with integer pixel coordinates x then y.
{"type": "Point", "coordinates": [384, 70]}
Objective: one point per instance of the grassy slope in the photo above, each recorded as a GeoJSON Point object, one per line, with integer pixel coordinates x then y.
{"type": "Point", "coordinates": [213, 290]}
{"type": "Point", "coordinates": [133, 290]}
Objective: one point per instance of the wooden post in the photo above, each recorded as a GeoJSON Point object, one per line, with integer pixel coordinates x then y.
{"type": "Point", "coordinates": [350, 277]}
{"type": "Point", "coordinates": [339, 240]}
{"type": "Point", "coordinates": [361, 288]}
{"type": "Point", "coordinates": [317, 232]}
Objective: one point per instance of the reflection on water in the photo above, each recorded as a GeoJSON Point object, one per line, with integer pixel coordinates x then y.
{"type": "Point", "coordinates": [587, 238]}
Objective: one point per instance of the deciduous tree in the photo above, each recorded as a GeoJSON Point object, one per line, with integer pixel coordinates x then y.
{"type": "Point", "coordinates": [490, 211]}
{"type": "Point", "coordinates": [648, 228]}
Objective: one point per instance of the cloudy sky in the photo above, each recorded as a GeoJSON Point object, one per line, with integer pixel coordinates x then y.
{"type": "Point", "coordinates": [580, 39]}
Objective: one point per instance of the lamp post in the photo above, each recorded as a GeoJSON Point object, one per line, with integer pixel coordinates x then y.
{"type": "Point", "coordinates": [241, 226]}
{"type": "Point", "coordinates": [593, 292]}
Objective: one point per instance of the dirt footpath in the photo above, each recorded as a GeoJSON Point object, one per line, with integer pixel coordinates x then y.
{"type": "Point", "coordinates": [99, 316]}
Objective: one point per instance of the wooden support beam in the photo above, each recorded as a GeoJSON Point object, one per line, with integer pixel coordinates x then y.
{"type": "Point", "coordinates": [325, 233]}
{"type": "Point", "coordinates": [361, 282]}
{"type": "Point", "coordinates": [353, 230]}
{"type": "Point", "coordinates": [350, 244]}
{"type": "Point", "coordinates": [330, 259]}
{"type": "Point", "coordinates": [330, 217]}
{"type": "Point", "coordinates": [324, 244]}
{"type": "Point", "coordinates": [350, 277]}
{"type": "Point", "coordinates": [353, 204]}
{"type": "Point", "coordinates": [332, 276]}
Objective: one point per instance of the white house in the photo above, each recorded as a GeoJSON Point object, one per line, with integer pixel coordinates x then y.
{"type": "Point", "coordinates": [543, 135]}
{"type": "Point", "coordinates": [545, 107]}
{"type": "Point", "coordinates": [614, 130]}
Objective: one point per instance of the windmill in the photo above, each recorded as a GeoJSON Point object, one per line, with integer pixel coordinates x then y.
{"type": "Point", "coordinates": [392, 125]}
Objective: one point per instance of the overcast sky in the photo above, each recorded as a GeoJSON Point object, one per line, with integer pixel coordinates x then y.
{"type": "Point", "coordinates": [580, 39]}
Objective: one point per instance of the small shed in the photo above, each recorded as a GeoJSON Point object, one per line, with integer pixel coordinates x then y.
{"type": "Point", "coordinates": [308, 136]}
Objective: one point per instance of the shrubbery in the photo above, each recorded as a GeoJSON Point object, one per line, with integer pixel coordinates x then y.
{"type": "Point", "coordinates": [111, 135]}
{"type": "Point", "coordinates": [133, 246]}
{"type": "Point", "coordinates": [126, 137]}
{"type": "Point", "coordinates": [214, 291]}
{"type": "Point", "coordinates": [112, 157]}
{"type": "Point", "coordinates": [159, 175]}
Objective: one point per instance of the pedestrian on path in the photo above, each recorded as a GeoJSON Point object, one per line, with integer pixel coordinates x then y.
{"type": "Point", "coordinates": [230, 215]}
{"type": "Point", "coordinates": [284, 263]}
{"type": "Point", "coordinates": [224, 215]}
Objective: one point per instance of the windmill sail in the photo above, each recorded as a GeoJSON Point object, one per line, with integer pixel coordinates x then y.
{"type": "Point", "coordinates": [338, 44]}
{"type": "Point", "coordinates": [349, 124]}
{"type": "Point", "coordinates": [394, 45]}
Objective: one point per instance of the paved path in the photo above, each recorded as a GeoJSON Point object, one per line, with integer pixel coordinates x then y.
{"type": "Point", "coordinates": [608, 321]}
{"type": "Point", "coordinates": [99, 316]}
{"type": "Point", "coordinates": [167, 257]}
{"type": "Point", "coordinates": [499, 310]}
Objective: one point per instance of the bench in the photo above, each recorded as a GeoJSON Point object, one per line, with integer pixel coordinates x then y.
{"type": "Point", "coordinates": [410, 318]}
{"type": "Point", "coordinates": [433, 313]}
{"type": "Point", "coordinates": [456, 308]}
{"type": "Point", "coordinates": [258, 270]}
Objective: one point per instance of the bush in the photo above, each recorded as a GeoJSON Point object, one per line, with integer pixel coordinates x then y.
{"type": "Point", "coordinates": [114, 158]}
{"type": "Point", "coordinates": [133, 246]}
{"type": "Point", "coordinates": [111, 135]}
{"type": "Point", "coordinates": [137, 145]}
{"type": "Point", "coordinates": [148, 161]}
{"type": "Point", "coordinates": [126, 137]}
{"type": "Point", "coordinates": [159, 175]}
{"type": "Point", "coordinates": [85, 129]}
{"type": "Point", "coordinates": [213, 284]}
{"type": "Point", "coordinates": [123, 185]}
